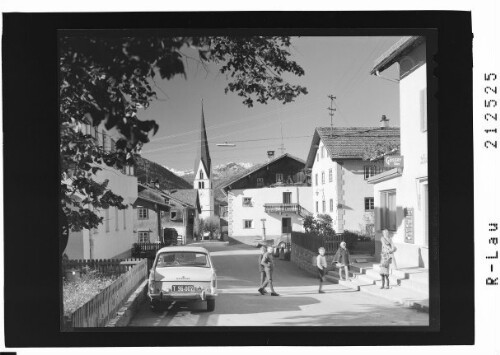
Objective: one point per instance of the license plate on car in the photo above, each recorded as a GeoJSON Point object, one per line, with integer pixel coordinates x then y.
{"type": "Point", "coordinates": [183, 288]}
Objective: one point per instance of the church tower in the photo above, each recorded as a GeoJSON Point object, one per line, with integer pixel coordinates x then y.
{"type": "Point", "coordinates": [203, 171]}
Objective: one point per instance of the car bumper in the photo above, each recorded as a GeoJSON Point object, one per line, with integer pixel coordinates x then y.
{"type": "Point", "coordinates": [169, 297]}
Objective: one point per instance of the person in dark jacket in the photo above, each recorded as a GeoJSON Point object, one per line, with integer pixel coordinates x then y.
{"type": "Point", "coordinates": [263, 250]}
{"type": "Point", "coordinates": [342, 258]}
{"type": "Point", "coordinates": [268, 263]}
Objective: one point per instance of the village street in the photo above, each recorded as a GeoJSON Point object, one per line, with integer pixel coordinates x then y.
{"type": "Point", "coordinates": [239, 303]}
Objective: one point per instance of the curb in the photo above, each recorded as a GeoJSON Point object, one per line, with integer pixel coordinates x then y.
{"type": "Point", "coordinates": [127, 311]}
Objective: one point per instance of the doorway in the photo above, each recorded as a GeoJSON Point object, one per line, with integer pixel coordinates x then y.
{"type": "Point", "coordinates": [286, 225]}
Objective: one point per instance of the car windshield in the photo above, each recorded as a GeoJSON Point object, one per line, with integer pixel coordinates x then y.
{"type": "Point", "coordinates": [182, 258]}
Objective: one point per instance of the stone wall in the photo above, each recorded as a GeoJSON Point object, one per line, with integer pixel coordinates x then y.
{"type": "Point", "coordinates": [306, 259]}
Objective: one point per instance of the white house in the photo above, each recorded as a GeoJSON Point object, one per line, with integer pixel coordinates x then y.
{"type": "Point", "coordinates": [268, 201]}
{"type": "Point", "coordinates": [339, 174]}
{"type": "Point", "coordinates": [114, 237]}
{"type": "Point", "coordinates": [203, 173]}
{"type": "Point", "coordinates": [401, 194]}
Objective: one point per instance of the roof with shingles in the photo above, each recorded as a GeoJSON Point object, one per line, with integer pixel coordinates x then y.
{"type": "Point", "coordinates": [350, 142]}
{"type": "Point", "coordinates": [188, 196]}
{"type": "Point", "coordinates": [253, 169]}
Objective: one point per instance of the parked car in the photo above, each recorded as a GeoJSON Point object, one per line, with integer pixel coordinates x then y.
{"type": "Point", "coordinates": [183, 274]}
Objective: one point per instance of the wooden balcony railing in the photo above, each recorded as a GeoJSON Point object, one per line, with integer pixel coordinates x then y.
{"type": "Point", "coordinates": [285, 208]}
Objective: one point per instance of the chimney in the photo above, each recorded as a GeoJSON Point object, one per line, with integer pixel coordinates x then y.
{"type": "Point", "coordinates": [384, 122]}
{"type": "Point", "coordinates": [270, 155]}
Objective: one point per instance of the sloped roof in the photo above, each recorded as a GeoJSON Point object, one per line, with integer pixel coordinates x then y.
{"type": "Point", "coordinates": [400, 48]}
{"type": "Point", "coordinates": [256, 168]}
{"type": "Point", "coordinates": [350, 142]}
{"type": "Point", "coordinates": [187, 196]}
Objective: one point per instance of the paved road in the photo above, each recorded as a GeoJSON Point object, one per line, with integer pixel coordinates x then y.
{"type": "Point", "coordinates": [239, 303]}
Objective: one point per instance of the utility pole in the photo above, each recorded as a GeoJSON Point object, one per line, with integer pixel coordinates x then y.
{"type": "Point", "coordinates": [331, 111]}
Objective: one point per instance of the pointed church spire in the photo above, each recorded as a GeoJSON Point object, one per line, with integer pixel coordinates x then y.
{"type": "Point", "coordinates": [204, 153]}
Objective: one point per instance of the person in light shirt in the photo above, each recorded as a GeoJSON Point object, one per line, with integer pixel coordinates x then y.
{"type": "Point", "coordinates": [321, 264]}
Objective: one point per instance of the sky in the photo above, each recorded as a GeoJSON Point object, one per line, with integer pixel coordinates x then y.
{"type": "Point", "coordinates": [333, 65]}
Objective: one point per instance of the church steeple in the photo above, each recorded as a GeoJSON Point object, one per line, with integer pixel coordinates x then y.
{"type": "Point", "coordinates": [204, 153]}
{"type": "Point", "coordinates": [203, 166]}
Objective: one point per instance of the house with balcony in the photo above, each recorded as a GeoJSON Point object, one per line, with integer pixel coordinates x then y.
{"type": "Point", "coordinates": [401, 195]}
{"type": "Point", "coordinates": [340, 171]}
{"type": "Point", "coordinates": [268, 201]}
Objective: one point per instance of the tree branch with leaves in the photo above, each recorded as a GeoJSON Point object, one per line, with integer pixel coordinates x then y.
{"type": "Point", "coordinates": [108, 78]}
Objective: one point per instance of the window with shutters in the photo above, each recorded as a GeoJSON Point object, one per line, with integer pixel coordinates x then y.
{"type": "Point", "coordinates": [323, 177]}
{"type": "Point", "coordinates": [331, 205]}
{"type": "Point", "coordinates": [324, 206]}
{"type": "Point", "coordinates": [247, 223]}
{"type": "Point", "coordinates": [330, 175]}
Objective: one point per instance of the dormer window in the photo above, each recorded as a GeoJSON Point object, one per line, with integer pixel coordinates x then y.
{"type": "Point", "coordinates": [279, 177]}
{"type": "Point", "coordinates": [201, 175]}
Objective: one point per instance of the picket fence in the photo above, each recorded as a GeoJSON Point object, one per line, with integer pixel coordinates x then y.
{"type": "Point", "coordinates": [102, 308]}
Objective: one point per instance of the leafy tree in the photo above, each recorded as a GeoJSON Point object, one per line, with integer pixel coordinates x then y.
{"type": "Point", "coordinates": [321, 225]}
{"type": "Point", "coordinates": [212, 226]}
{"type": "Point", "coordinates": [373, 151]}
{"type": "Point", "coordinates": [107, 78]}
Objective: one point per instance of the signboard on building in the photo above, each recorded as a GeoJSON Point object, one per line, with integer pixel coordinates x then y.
{"type": "Point", "coordinates": [393, 161]}
{"type": "Point", "coordinates": [409, 225]}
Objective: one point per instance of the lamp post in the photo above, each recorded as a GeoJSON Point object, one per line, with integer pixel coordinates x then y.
{"type": "Point", "coordinates": [263, 229]}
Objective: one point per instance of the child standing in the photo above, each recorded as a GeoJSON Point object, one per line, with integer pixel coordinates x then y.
{"type": "Point", "coordinates": [321, 264]}
{"type": "Point", "coordinates": [385, 261]}
{"type": "Point", "coordinates": [342, 257]}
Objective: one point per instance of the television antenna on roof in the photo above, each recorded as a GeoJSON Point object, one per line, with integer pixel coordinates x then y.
{"type": "Point", "coordinates": [331, 111]}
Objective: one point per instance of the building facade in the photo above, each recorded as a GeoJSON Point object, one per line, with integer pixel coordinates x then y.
{"type": "Point", "coordinates": [184, 209]}
{"type": "Point", "coordinates": [339, 174]}
{"type": "Point", "coordinates": [401, 194]}
{"type": "Point", "coordinates": [114, 237]}
{"type": "Point", "coordinates": [268, 201]}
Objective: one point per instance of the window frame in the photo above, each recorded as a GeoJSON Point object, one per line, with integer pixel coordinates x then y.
{"type": "Point", "coordinates": [331, 205]}
{"type": "Point", "coordinates": [139, 215]}
{"type": "Point", "coordinates": [330, 175]}
{"type": "Point", "coordinates": [247, 202]}
{"type": "Point", "coordinates": [372, 204]}
{"type": "Point", "coordinates": [317, 206]}
{"type": "Point", "coordinates": [250, 223]}
{"type": "Point", "coordinates": [142, 233]}
{"type": "Point", "coordinates": [324, 206]}
{"type": "Point", "coordinates": [323, 179]}
{"type": "Point", "coordinates": [289, 195]}
{"type": "Point", "coordinates": [281, 177]}
{"type": "Point", "coordinates": [260, 181]}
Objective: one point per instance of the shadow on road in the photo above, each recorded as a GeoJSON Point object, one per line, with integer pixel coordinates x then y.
{"type": "Point", "coordinates": [255, 303]}
{"type": "Point", "coordinates": [366, 315]}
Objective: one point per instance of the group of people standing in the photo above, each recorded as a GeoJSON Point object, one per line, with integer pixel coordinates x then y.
{"type": "Point", "coordinates": [341, 260]}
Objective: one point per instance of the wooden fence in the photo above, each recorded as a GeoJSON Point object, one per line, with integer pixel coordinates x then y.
{"type": "Point", "coordinates": [103, 266]}
{"type": "Point", "coordinates": [103, 307]}
{"type": "Point", "coordinates": [313, 242]}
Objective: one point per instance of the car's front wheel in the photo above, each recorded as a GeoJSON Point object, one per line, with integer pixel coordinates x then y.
{"type": "Point", "coordinates": [210, 305]}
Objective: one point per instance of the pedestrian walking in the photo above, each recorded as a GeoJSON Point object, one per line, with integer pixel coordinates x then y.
{"type": "Point", "coordinates": [263, 250]}
{"type": "Point", "coordinates": [268, 263]}
{"type": "Point", "coordinates": [386, 257]}
{"type": "Point", "coordinates": [342, 257]}
{"type": "Point", "coordinates": [321, 264]}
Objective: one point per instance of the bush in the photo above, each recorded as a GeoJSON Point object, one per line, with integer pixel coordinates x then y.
{"type": "Point", "coordinates": [321, 225]}
{"type": "Point", "coordinates": [351, 239]}
{"type": "Point", "coordinates": [78, 292]}
{"type": "Point", "coordinates": [198, 228]}
{"type": "Point", "coordinates": [212, 226]}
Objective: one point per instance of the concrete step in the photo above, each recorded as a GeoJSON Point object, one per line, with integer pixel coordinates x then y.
{"type": "Point", "coordinates": [376, 276]}
{"type": "Point", "coordinates": [335, 273]}
{"type": "Point", "coordinates": [405, 297]}
{"type": "Point", "coordinates": [361, 268]}
{"type": "Point", "coordinates": [362, 258]}
{"type": "Point", "coordinates": [417, 282]}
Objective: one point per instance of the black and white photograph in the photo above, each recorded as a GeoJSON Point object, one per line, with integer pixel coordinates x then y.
{"type": "Point", "coordinates": [244, 179]}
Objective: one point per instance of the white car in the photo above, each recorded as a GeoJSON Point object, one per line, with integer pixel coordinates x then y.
{"type": "Point", "coordinates": [182, 273]}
